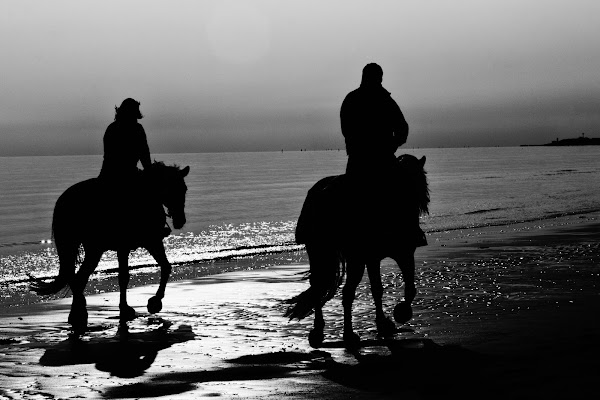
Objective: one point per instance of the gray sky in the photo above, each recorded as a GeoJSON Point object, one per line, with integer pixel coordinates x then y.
{"type": "Point", "coordinates": [266, 75]}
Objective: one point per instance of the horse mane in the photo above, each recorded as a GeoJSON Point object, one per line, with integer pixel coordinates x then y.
{"type": "Point", "coordinates": [416, 178]}
{"type": "Point", "coordinates": [159, 171]}
{"type": "Point", "coordinates": [159, 166]}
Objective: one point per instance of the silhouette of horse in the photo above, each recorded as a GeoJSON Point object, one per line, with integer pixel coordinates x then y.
{"type": "Point", "coordinates": [346, 227]}
{"type": "Point", "coordinates": [85, 220]}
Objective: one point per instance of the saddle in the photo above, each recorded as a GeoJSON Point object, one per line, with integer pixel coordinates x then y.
{"type": "Point", "coordinates": [360, 210]}
{"type": "Point", "coordinates": [130, 210]}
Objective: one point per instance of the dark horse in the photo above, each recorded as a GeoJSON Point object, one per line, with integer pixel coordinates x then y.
{"type": "Point", "coordinates": [344, 231]}
{"type": "Point", "coordinates": [87, 217]}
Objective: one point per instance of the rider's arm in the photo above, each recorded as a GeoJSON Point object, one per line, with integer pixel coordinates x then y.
{"type": "Point", "coordinates": [144, 149]}
{"type": "Point", "coordinates": [344, 118]}
{"type": "Point", "coordinates": [400, 125]}
{"type": "Point", "coordinates": [348, 123]}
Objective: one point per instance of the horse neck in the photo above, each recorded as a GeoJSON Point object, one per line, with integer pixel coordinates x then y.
{"type": "Point", "coordinates": [417, 189]}
{"type": "Point", "coordinates": [153, 183]}
{"type": "Point", "coordinates": [161, 182]}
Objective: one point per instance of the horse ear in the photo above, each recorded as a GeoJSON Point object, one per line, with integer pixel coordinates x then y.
{"type": "Point", "coordinates": [422, 161]}
{"type": "Point", "coordinates": [185, 171]}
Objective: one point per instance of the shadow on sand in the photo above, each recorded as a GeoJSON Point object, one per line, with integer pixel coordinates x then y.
{"type": "Point", "coordinates": [127, 355]}
{"type": "Point", "coordinates": [380, 366]}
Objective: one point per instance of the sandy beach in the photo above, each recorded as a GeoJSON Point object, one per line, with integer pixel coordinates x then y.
{"type": "Point", "coordinates": [502, 312]}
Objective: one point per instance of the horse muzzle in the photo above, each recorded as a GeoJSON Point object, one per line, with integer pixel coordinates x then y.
{"type": "Point", "coordinates": [179, 221]}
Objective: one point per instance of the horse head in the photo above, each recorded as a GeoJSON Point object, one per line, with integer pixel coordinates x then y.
{"type": "Point", "coordinates": [416, 177]}
{"type": "Point", "coordinates": [171, 187]}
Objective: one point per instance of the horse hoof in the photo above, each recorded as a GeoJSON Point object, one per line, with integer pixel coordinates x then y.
{"type": "Point", "coordinates": [315, 338]}
{"type": "Point", "coordinates": [403, 312]}
{"type": "Point", "coordinates": [154, 305]}
{"type": "Point", "coordinates": [385, 327]}
{"type": "Point", "coordinates": [351, 341]}
{"type": "Point", "coordinates": [77, 332]}
{"type": "Point", "coordinates": [127, 313]}
{"type": "Point", "coordinates": [78, 322]}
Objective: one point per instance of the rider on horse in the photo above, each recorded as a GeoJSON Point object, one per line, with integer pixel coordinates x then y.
{"type": "Point", "coordinates": [374, 127]}
{"type": "Point", "coordinates": [125, 145]}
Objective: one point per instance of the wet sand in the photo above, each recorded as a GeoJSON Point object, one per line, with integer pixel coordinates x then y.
{"type": "Point", "coordinates": [502, 312]}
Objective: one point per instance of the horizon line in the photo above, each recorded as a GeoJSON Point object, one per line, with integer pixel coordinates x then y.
{"type": "Point", "coordinates": [271, 151]}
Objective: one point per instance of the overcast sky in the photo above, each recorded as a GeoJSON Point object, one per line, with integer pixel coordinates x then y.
{"type": "Point", "coordinates": [268, 75]}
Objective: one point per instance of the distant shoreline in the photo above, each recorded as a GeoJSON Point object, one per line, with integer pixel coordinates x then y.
{"type": "Point", "coordinates": [580, 141]}
{"type": "Point", "coordinates": [158, 154]}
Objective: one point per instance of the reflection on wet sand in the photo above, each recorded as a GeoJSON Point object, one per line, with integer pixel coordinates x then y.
{"type": "Point", "coordinates": [498, 315]}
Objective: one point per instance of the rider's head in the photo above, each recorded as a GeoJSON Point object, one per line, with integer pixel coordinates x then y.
{"type": "Point", "coordinates": [372, 75]}
{"type": "Point", "coordinates": [129, 110]}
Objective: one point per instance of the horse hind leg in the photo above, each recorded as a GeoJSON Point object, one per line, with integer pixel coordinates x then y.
{"type": "Point", "coordinates": [317, 335]}
{"type": "Point", "coordinates": [78, 316]}
{"type": "Point", "coordinates": [355, 273]}
{"type": "Point", "coordinates": [126, 312]}
{"type": "Point", "coordinates": [385, 326]}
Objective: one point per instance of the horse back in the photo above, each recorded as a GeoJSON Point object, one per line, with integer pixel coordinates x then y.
{"type": "Point", "coordinates": [76, 198]}
{"type": "Point", "coordinates": [111, 214]}
{"type": "Point", "coordinates": [321, 200]}
{"type": "Point", "coordinates": [78, 194]}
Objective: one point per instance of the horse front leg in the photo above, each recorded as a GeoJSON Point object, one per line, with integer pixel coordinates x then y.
{"type": "Point", "coordinates": [403, 310]}
{"type": "Point", "coordinates": [355, 271]}
{"type": "Point", "coordinates": [126, 312]}
{"type": "Point", "coordinates": [158, 252]}
{"type": "Point", "coordinates": [385, 326]}
{"type": "Point", "coordinates": [407, 266]}
{"type": "Point", "coordinates": [78, 316]}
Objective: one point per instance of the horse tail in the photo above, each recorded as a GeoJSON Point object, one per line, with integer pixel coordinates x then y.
{"type": "Point", "coordinates": [315, 228]}
{"type": "Point", "coordinates": [68, 247]}
{"type": "Point", "coordinates": [327, 269]}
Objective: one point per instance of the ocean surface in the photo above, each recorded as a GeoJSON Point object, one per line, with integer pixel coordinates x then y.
{"type": "Point", "coordinates": [244, 206]}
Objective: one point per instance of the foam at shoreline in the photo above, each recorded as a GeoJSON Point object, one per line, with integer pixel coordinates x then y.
{"type": "Point", "coordinates": [440, 243]}
{"type": "Point", "coordinates": [444, 241]}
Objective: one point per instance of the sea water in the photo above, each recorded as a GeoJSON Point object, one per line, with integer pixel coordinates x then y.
{"type": "Point", "coordinates": [244, 205]}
